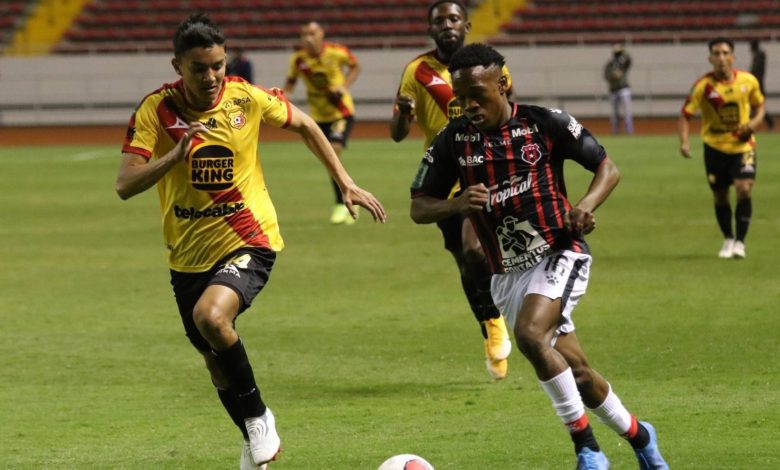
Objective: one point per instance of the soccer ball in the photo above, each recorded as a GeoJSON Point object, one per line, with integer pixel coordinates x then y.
{"type": "Point", "coordinates": [405, 462]}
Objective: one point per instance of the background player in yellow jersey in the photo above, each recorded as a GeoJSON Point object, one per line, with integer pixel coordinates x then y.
{"type": "Point", "coordinates": [726, 98]}
{"type": "Point", "coordinates": [322, 65]}
{"type": "Point", "coordinates": [425, 93]}
{"type": "Point", "coordinates": [196, 140]}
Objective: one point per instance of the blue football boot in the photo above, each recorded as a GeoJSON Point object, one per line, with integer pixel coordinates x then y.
{"type": "Point", "coordinates": [588, 459]}
{"type": "Point", "coordinates": [650, 457]}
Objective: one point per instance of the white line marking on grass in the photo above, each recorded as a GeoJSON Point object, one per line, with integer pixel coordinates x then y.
{"type": "Point", "coordinates": [84, 156]}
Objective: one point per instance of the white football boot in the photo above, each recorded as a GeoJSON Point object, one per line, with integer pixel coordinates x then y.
{"type": "Point", "coordinates": [264, 442]}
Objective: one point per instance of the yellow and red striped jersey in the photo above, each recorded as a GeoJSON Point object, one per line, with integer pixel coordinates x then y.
{"type": "Point", "coordinates": [321, 73]}
{"type": "Point", "coordinates": [427, 81]}
{"type": "Point", "coordinates": [215, 201]}
{"type": "Point", "coordinates": [724, 106]}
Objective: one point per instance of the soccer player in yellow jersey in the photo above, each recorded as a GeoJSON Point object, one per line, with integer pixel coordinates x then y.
{"type": "Point", "coordinates": [732, 108]}
{"type": "Point", "coordinates": [322, 65]}
{"type": "Point", "coordinates": [196, 140]}
{"type": "Point", "coordinates": [426, 94]}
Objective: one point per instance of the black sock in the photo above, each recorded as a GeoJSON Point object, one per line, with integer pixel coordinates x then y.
{"type": "Point", "coordinates": [641, 439]}
{"type": "Point", "coordinates": [742, 214]}
{"type": "Point", "coordinates": [339, 197]}
{"type": "Point", "coordinates": [474, 299]}
{"type": "Point", "coordinates": [233, 407]}
{"type": "Point", "coordinates": [585, 438]}
{"type": "Point", "coordinates": [235, 365]}
{"type": "Point", "coordinates": [723, 214]}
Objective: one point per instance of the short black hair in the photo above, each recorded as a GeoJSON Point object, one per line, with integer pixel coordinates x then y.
{"type": "Point", "coordinates": [196, 31]}
{"type": "Point", "coordinates": [455, 2]}
{"type": "Point", "coordinates": [474, 55]}
{"type": "Point", "coordinates": [720, 40]}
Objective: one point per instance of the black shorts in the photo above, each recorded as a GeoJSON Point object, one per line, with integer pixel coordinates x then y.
{"type": "Point", "coordinates": [338, 131]}
{"type": "Point", "coordinates": [723, 168]}
{"type": "Point", "coordinates": [245, 270]}
{"type": "Point", "coordinates": [452, 231]}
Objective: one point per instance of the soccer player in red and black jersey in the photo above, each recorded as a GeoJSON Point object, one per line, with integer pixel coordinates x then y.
{"type": "Point", "coordinates": [196, 140]}
{"type": "Point", "coordinates": [509, 159]}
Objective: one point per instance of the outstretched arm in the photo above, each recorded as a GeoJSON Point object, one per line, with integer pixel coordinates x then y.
{"type": "Point", "coordinates": [316, 141]}
{"type": "Point", "coordinates": [136, 174]}
{"type": "Point", "coordinates": [580, 220]}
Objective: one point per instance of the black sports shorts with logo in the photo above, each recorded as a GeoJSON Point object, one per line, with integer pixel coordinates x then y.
{"type": "Point", "coordinates": [338, 131]}
{"type": "Point", "coordinates": [723, 168]}
{"type": "Point", "coordinates": [245, 270]}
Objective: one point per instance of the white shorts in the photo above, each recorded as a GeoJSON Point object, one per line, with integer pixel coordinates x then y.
{"type": "Point", "coordinates": [559, 275]}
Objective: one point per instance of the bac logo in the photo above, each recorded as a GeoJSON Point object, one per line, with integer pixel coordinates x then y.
{"type": "Point", "coordinates": [237, 119]}
{"type": "Point", "coordinates": [212, 168]}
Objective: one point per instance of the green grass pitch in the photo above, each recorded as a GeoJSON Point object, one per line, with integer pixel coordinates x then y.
{"type": "Point", "coordinates": [362, 342]}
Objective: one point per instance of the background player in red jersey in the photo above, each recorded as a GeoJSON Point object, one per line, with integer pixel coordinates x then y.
{"type": "Point", "coordinates": [533, 239]}
{"type": "Point", "coordinates": [322, 66]}
{"type": "Point", "coordinates": [425, 94]}
{"type": "Point", "coordinates": [220, 226]}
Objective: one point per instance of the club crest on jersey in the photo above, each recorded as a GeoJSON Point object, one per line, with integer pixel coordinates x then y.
{"type": "Point", "coordinates": [531, 153]}
{"type": "Point", "coordinates": [237, 119]}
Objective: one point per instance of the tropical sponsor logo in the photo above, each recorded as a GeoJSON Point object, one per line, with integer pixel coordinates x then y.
{"type": "Point", "coordinates": [522, 247]}
{"type": "Point", "coordinates": [222, 210]}
{"type": "Point", "coordinates": [212, 168]}
{"type": "Point", "coordinates": [506, 190]}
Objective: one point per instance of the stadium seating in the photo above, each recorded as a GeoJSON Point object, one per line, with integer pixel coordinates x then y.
{"type": "Point", "coordinates": [106, 26]}
{"type": "Point", "coordinates": [11, 12]}
{"type": "Point", "coordinates": [603, 21]}
{"type": "Point", "coordinates": [146, 25]}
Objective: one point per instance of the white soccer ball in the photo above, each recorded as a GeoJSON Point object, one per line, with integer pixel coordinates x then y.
{"type": "Point", "coordinates": [405, 462]}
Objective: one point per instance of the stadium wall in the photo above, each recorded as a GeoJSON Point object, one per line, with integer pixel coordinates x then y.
{"type": "Point", "coordinates": [104, 89]}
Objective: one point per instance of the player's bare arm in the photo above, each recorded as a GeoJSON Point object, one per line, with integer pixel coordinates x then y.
{"type": "Point", "coordinates": [401, 122]}
{"type": "Point", "coordinates": [683, 130]}
{"type": "Point", "coordinates": [580, 220]}
{"type": "Point", "coordinates": [136, 174]}
{"type": "Point", "coordinates": [316, 141]}
{"type": "Point", "coordinates": [427, 209]}
{"type": "Point", "coordinates": [744, 131]}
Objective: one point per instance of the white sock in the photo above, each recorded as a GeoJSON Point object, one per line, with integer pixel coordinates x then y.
{"type": "Point", "coordinates": [562, 390]}
{"type": "Point", "coordinates": [614, 414]}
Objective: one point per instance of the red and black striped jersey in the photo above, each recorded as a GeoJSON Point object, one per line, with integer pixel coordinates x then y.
{"type": "Point", "coordinates": [521, 164]}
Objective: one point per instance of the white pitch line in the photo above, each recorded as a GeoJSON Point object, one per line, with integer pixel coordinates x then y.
{"type": "Point", "coordinates": [84, 156]}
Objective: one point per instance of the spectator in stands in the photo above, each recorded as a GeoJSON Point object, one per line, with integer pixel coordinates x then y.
{"type": "Point", "coordinates": [616, 75]}
{"type": "Point", "coordinates": [322, 65]}
{"type": "Point", "coordinates": [758, 69]}
{"type": "Point", "coordinates": [196, 140]}
{"type": "Point", "coordinates": [726, 98]}
{"type": "Point", "coordinates": [240, 66]}
{"type": "Point", "coordinates": [425, 95]}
